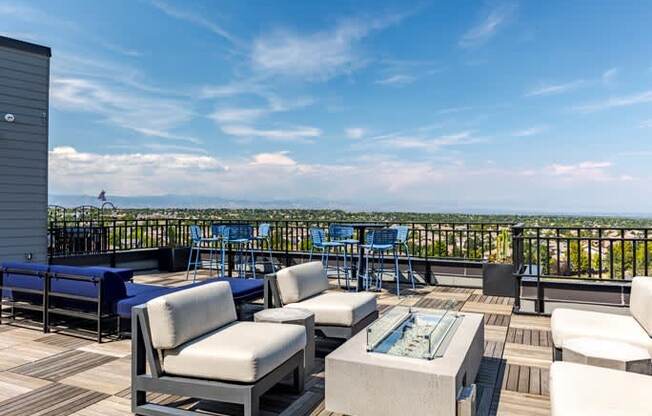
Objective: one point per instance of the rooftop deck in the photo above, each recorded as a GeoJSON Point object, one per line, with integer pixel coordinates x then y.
{"type": "Point", "coordinates": [57, 374]}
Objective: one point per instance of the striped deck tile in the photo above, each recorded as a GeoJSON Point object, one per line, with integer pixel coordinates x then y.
{"type": "Point", "coordinates": [60, 366]}
{"type": "Point", "coordinates": [110, 378]}
{"type": "Point", "coordinates": [14, 385]}
{"type": "Point", "coordinates": [64, 341]}
{"type": "Point", "coordinates": [51, 400]}
{"type": "Point", "coordinates": [536, 337]}
{"type": "Point", "coordinates": [496, 319]}
{"type": "Point", "coordinates": [436, 303]}
{"type": "Point", "coordinates": [25, 353]}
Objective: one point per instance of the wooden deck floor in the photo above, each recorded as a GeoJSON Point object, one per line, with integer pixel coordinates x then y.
{"type": "Point", "coordinates": [58, 375]}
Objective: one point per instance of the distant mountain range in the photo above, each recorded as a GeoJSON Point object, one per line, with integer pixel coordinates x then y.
{"type": "Point", "coordinates": [194, 202]}
{"type": "Point", "coordinates": [208, 202]}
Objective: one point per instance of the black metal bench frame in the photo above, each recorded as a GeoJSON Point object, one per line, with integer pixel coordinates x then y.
{"type": "Point", "coordinates": [47, 296]}
{"type": "Point", "coordinates": [143, 356]}
{"type": "Point", "coordinates": [273, 300]}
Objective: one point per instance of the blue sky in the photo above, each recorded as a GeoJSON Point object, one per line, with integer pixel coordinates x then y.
{"type": "Point", "coordinates": [526, 106]}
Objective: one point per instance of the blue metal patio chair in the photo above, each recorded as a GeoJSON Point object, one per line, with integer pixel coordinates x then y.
{"type": "Point", "coordinates": [198, 243]}
{"type": "Point", "coordinates": [380, 242]}
{"type": "Point", "coordinates": [240, 236]}
{"type": "Point", "coordinates": [319, 242]}
{"type": "Point", "coordinates": [401, 242]}
{"type": "Point", "coordinates": [343, 234]}
{"type": "Point", "coordinates": [264, 238]}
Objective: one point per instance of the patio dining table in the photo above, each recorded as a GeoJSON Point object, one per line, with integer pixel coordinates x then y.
{"type": "Point", "coordinates": [361, 228]}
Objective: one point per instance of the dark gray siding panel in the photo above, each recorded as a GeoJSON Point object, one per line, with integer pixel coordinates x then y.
{"type": "Point", "coordinates": [24, 80]}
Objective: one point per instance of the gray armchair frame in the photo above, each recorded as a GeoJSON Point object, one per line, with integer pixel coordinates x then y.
{"type": "Point", "coordinates": [273, 299]}
{"type": "Point", "coordinates": [144, 355]}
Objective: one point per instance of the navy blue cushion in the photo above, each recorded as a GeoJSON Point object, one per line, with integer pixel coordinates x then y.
{"type": "Point", "coordinates": [125, 274]}
{"type": "Point", "coordinates": [241, 289]}
{"type": "Point", "coordinates": [140, 294]}
{"type": "Point", "coordinates": [244, 288]}
{"type": "Point", "coordinates": [113, 286]}
{"type": "Point", "coordinates": [23, 281]}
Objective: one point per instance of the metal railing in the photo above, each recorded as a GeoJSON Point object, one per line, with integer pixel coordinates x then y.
{"type": "Point", "coordinates": [460, 241]}
{"type": "Point", "coordinates": [596, 253]}
{"type": "Point", "coordinates": [587, 254]}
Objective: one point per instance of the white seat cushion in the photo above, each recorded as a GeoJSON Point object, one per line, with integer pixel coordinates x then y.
{"type": "Point", "coordinates": [302, 281]}
{"type": "Point", "coordinates": [567, 324]}
{"type": "Point", "coordinates": [337, 308]}
{"type": "Point", "coordinates": [578, 390]}
{"type": "Point", "coordinates": [242, 351]}
{"type": "Point", "coordinates": [640, 302]}
{"type": "Point", "coordinates": [181, 316]}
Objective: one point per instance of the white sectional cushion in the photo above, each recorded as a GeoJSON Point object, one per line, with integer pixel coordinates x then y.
{"type": "Point", "coordinates": [181, 316]}
{"type": "Point", "coordinates": [567, 324]}
{"type": "Point", "coordinates": [302, 281]}
{"type": "Point", "coordinates": [582, 390]}
{"type": "Point", "coordinates": [337, 308]}
{"type": "Point", "coordinates": [640, 302]}
{"type": "Point", "coordinates": [242, 352]}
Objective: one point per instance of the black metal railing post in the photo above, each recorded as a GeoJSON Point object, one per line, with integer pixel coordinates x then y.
{"type": "Point", "coordinates": [113, 244]}
{"type": "Point", "coordinates": [518, 262]}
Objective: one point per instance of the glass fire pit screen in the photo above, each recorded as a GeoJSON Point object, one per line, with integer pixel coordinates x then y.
{"type": "Point", "coordinates": [405, 332]}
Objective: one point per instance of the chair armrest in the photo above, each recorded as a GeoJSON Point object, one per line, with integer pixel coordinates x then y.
{"type": "Point", "coordinates": [272, 296]}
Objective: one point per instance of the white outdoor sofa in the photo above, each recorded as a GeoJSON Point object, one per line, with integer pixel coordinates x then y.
{"type": "Point", "coordinates": [337, 314]}
{"type": "Point", "coordinates": [584, 390]}
{"type": "Point", "coordinates": [634, 329]}
{"type": "Point", "coordinates": [189, 343]}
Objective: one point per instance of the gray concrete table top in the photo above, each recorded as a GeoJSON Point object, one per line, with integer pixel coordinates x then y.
{"type": "Point", "coordinates": [608, 354]}
{"type": "Point", "coordinates": [282, 315]}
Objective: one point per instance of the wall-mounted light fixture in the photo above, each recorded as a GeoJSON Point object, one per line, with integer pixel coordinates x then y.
{"type": "Point", "coordinates": [9, 118]}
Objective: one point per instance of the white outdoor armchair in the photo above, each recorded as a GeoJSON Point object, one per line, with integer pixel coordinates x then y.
{"type": "Point", "coordinates": [635, 329]}
{"type": "Point", "coordinates": [304, 286]}
{"type": "Point", "coordinates": [194, 346]}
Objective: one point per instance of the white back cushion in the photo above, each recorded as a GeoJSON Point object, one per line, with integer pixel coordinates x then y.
{"type": "Point", "coordinates": [302, 281]}
{"type": "Point", "coordinates": [181, 316]}
{"type": "Point", "coordinates": [640, 302]}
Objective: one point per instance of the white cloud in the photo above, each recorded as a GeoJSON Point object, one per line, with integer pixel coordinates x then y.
{"type": "Point", "coordinates": [381, 182]}
{"type": "Point", "coordinates": [531, 131]}
{"type": "Point", "coordinates": [489, 26]}
{"type": "Point", "coordinates": [401, 141]}
{"type": "Point", "coordinates": [145, 114]}
{"type": "Point", "coordinates": [238, 115]}
{"type": "Point", "coordinates": [397, 80]}
{"type": "Point", "coordinates": [609, 76]}
{"type": "Point", "coordinates": [616, 102]}
{"type": "Point", "coordinates": [355, 132]}
{"type": "Point", "coordinates": [316, 56]}
{"type": "Point", "coordinates": [554, 89]}
{"type": "Point", "coordinates": [194, 18]}
{"type": "Point", "coordinates": [587, 170]}
{"type": "Point", "coordinates": [292, 133]}
{"type": "Point", "coordinates": [278, 158]}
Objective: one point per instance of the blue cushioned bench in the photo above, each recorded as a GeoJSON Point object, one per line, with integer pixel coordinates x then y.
{"type": "Point", "coordinates": [92, 293]}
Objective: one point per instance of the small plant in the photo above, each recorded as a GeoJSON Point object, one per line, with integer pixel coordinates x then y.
{"type": "Point", "coordinates": [503, 248]}
{"type": "Point", "coordinates": [173, 237]}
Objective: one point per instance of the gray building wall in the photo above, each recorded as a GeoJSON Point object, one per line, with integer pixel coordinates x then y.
{"type": "Point", "coordinates": [24, 91]}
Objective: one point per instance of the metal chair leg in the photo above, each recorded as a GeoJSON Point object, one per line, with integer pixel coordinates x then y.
{"type": "Point", "coordinates": [271, 257]}
{"type": "Point", "coordinates": [253, 260]}
{"type": "Point", "coordinates": [396, 273]}
{"type": "Point", "coordinates": [407, 253]}
{"type": "Point", "coordinates": [189, 261]}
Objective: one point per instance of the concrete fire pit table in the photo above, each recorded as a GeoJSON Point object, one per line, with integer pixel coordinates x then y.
{"type": "Point", "coordinates": [370, 374]}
